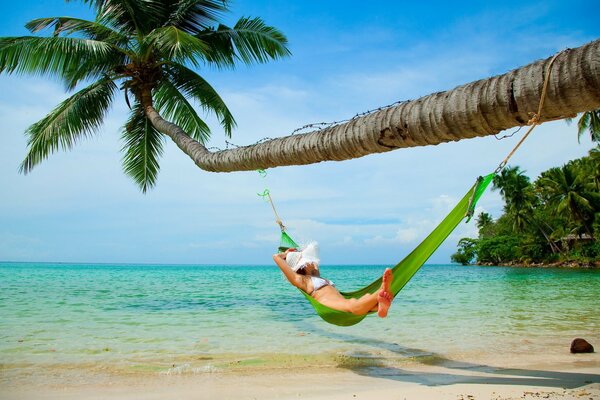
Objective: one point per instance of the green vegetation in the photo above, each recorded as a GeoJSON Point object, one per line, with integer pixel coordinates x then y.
{"type": "Point", "coordinates": [147, 49]}
{"type": "Point", "coordinates": [555, 219]}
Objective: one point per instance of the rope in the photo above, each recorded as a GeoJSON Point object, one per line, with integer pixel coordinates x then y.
{"type": "Point", "coordinates": [535, 117]}
{"type": "Point", "coordinates": [266, 194]}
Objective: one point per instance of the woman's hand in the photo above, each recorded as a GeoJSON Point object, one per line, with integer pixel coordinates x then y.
{"type": "Point", "coordinates": [285, 253]}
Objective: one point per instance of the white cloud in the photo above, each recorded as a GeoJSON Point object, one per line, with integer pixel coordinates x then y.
{"type": "Point", "coordinates": [407, 235]}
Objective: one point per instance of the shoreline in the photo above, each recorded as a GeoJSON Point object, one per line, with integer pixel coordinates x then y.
{"type": "Point", "coordinates": [530, 377]}
{"type": "Point", "coordinates": [559, 264]}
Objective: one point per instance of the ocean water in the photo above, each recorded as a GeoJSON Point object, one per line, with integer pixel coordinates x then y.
{"type": "Point", "coordinates": [162, 316]}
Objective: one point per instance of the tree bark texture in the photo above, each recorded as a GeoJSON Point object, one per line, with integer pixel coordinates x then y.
{"type": "Point", "coordinates": [480, 108]}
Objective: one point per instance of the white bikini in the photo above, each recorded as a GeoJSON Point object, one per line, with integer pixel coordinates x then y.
{"type": "Point", "coordinates": [319, 282]}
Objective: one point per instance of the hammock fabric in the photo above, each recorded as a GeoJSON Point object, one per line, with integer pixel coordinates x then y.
{"type": "Point", "coordinates": [405, 269]}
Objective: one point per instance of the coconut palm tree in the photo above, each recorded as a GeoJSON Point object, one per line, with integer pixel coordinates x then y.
{"type": "Point", "coordinates": [485, 223]}
{"type": "Point", "coordinates": [514, 186]}
{"type": "Point", "coordinates": [573, 194]}
{"type": "Point", "coordinates": [147, 42]}
{"type": "Point", "coordinates": [149, 50]}
{"type": "Point", "coordinates": [483, 220]}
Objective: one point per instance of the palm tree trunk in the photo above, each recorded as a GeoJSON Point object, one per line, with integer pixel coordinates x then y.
{"type": "Point", "coordinates": [480, 108]}
{"type": "Point", "coordinates": [553, 246]}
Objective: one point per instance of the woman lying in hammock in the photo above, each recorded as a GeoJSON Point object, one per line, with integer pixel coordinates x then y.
{"type": "Point", "coordinates": [301, 268]}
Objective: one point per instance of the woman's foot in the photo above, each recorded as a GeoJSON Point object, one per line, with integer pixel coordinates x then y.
{"type": "Point", "coordinates": [384, 297]}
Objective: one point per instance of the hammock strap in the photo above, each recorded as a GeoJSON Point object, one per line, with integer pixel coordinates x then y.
{"type": "Point", "coordinates": [535, 117]}
{"type": "Point", "coordinates": [267, 195]}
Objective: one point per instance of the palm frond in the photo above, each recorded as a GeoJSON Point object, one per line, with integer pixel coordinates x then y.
{"type": "Point", "coordinates": [193, 85]}
{"type": "Point", "coordinates": [589, 121]}
{"type": "Point", "coordinates": [250, 40]}
{"type": "Point", "coordinates": [128, 16]}
{"type": "Point", "coordinates": [193, 16]}
{"type": "Point", "coordinates": [88, 70]}
{"type": "Point", "coordinates": [69, 26]}
{"type": "Point", "coordinates": [256, 41]}
{"type": "Point", "coordinates": [75, 118]}
{"type": "Point", "coordinates": [177, 45]}
{"type": "Point", "coordinates": [173, 106]}
{"type": "Point", "coordinates": [582, 125]}
{"type": "Point", "coordinates": [56, 56]}
{"type": "Point", "coordinates": [143, 145]}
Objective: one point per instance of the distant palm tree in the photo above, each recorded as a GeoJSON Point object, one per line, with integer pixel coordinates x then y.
{"type": "Point", "coordinates": [589, 121]}
{"type": "Point", "coordinates": [484, 221]}
{"type": "Point", "coordinates": [594, 155]}
{"type": "Point", "coordinates": [520, 201]}
{"type": "Point", "coordinates": [514, 186]}
{"type": "Point", "coordinates": [572, 194]}
{"type": "Point", "coordinates": [146, 48]}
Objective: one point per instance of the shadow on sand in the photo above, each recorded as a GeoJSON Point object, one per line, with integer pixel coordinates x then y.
{"type": "Point", "coordinates": [451, 371]}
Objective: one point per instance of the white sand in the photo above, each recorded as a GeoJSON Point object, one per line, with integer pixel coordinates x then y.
{"type": "Point", "coordinates": [577, 378]}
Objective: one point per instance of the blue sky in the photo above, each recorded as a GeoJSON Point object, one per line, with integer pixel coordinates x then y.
{"type": "Point", "coordinates": [78, 206]}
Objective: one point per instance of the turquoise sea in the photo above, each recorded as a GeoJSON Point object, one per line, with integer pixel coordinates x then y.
{"type": "Point", "coordinates": [164, 317]}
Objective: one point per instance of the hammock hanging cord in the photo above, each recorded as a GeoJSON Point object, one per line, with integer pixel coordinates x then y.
{"type": "Point", "coordinates": [535, 117]}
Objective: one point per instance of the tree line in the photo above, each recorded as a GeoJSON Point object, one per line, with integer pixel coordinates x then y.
{"type": "Point", "coordinates": [554, 219]}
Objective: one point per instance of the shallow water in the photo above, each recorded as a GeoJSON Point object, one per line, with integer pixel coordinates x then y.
{"type": "Point", "coordinates": [66, 314]}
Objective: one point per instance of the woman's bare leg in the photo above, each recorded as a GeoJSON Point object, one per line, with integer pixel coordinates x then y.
{"type": "Point", "coordinates": [380, 300]}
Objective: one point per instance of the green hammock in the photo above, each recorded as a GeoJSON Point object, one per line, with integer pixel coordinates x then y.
{"type": "Point", "coordinates": [405, 269]}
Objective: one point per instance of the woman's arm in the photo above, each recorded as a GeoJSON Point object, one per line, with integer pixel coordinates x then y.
{"type": "Point", "coordinates": [294, 278]}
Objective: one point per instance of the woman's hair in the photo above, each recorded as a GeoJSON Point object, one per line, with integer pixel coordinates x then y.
{"type": "Point", "coordinates": [301, 271]}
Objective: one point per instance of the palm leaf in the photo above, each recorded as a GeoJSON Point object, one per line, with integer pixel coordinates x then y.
{"type": "Point", "coordinates": [76, 117]}
{"type": "Point", "coordinates": [193, 16]}
{"type": "Point", "coordinates": [589, 121]}
{"type": "Point", "coordinates": [69, 26]}
{"type": "Point", "coordinates": [250, 40]}
{"type": "Point", "coordinates": [256, 41]}
{"type": "Point", "coordinates": [143, 146]}
{"type": "Point", "coordinates": [193, 85]}
{"type": "Point", "coordinates": [174, 107]}
{"type": "Point", "coordinates": [88, 70]}
{"type": "Point", "coordinates": [128, 16]}
{"type": "Point", "coordinates": [176, 45]}
{"type": "Point", "coordinates": [56, 56]}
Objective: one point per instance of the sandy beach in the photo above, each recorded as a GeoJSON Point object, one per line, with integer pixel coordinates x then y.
{"type": "Point", "coordinates": [565, 376]}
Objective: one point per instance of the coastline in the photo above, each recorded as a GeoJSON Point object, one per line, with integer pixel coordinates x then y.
{"type": "Point", "coordinates": [563, 376]}
{"type": "Point", "coordinates": [557, 264]}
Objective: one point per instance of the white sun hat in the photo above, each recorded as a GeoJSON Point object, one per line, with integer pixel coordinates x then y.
{"type": "Point", "coordinates": [293, 260]}
{"type": "Point", "coordinates": [298, 259]}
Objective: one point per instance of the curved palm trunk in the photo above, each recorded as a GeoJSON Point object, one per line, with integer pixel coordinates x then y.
{"type": "Point", "coordinates": [480, 108]}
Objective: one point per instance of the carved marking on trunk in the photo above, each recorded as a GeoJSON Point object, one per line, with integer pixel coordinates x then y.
{"type": "Point", "coordinates": [512, 103]}
{"type": "Point", "coordinates": [387, 137]}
